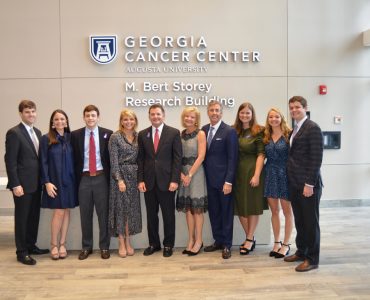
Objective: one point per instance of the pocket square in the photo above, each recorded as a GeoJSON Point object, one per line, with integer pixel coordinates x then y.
{"type": "Point", "coordinates": [218, 139]}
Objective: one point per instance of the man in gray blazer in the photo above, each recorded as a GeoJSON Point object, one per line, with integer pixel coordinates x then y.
{"type": "Point", "coordinates": [305, 184]}
{"type": "Point", "coordinates": [22, 167]}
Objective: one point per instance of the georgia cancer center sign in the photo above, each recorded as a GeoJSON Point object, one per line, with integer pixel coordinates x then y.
{"type": "Point", "coordinates": [169, 54]}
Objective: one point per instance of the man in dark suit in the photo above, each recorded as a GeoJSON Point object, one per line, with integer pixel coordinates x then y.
{"type": "Point", "coordinates": [92, 166]}
{"type": "Point", "coordinates": [159, 168]}
{"type": "Point", "coordinates": [220, 166]}
{"type": "Point", "coordinates": [22, 167]}
{"type": "Point", "coordinates": [305, 184]}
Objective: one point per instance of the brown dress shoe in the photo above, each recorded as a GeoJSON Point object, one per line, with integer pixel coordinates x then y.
{"type": "Point", "coordinates": [84, 254]}
{"type": "Point", "coordinates": [306, 266]}
{"type": "Point", "coordinates": [226, 253]}
{"type": "Point", "coordinates": [105, 254]}
{"type": "Point", "coordinates": [293, 258]}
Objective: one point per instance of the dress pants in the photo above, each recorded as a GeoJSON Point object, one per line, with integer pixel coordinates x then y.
{"type": "Point", "coordinates": [26, 221]}
{"type": "Point", "coordinates": [306, 218]}
{"type": "Point", "coordinates": [93, 191]}
{"type": "Point", "coordinates": [221, 216]}
{"type": "Point", "coordinates": [166, 200]}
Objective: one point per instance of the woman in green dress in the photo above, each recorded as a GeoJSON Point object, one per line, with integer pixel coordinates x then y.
{"type": "Point", "coordinates": [249, 200]}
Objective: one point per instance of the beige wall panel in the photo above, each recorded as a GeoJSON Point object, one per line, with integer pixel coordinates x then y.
{"type": "Point", "coordinates": [346, 182]}
{"type": "Point", "coordinates": [44, 92]}
{"type": "Point", "coordinates": [109, 95]}
{"type": "Point", "coordinates": [30, 39]}
{"type": "Point", "coordinates": [347, 97]}
{"type": "Point", "coordinates": [226, 25]}
{"type": "Point", "coordinates": [325, 38]}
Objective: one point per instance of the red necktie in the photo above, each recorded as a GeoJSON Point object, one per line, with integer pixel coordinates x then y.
{"type": "Point", "coordinates": [92, 155]}
{"type": "Point", "coordinates": [156, 140]}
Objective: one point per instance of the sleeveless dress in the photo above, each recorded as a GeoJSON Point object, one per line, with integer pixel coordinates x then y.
{"type": "Point", "coordinates": [57, 167]}
{"type": "Point", "coordinates": [249, 200]}
{"type": "Point", "coordinates": [124, 207]}
{"type": "Point", "coordinates": [194, 196]}
{"type": "Point", "coordinates": [276, 179]}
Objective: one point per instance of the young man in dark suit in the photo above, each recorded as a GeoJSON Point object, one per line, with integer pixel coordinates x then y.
{"type": "Point", "coordinates": [159, 168]}
{"type": "Point", "coordinates": [92, 166]}
{"type": "Point", "coordinates": [22, 167]}
{"type": "Point", "coordinates": [220, 166]}
{"type": "Point", "coordinates": [305, 184]}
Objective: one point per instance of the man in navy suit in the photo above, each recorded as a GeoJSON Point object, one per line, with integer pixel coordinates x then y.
{"type": "Point", "coordinates": [92, 168]}
{"type": "Point", "coordinates": [22, 167]}
{"type": "Point", "coordinates": [159, 169]}
{"type": "Point", "coordinates": [220, 165]}
{"type": "Point", "coordinates": [305, 184]}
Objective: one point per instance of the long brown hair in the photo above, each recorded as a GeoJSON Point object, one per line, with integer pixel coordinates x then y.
{"type": "Point", "coordinates": [283, 125]}
{"type": "Point", "coordinates": [52, 134]}
{"type": "Point", "coordinates": [253, 124]}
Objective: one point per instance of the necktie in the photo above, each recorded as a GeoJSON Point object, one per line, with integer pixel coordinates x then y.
{"type": "Point", "coordinates": [34, 140]}
{"type": "Point", "coordinates": [92, 154]}
{"type": "Point", "coordinates": [295, 130]}
{"type": "Point", "coordinates": [210, 136]}
{"type": "Point", "coordinates": [156, 140]}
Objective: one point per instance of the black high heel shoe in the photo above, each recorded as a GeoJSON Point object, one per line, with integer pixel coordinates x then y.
{"type": "Point", "coordinates": [244, 250]}
{"type": "Point", "coordinates": [191, 253]}
{"type": "Point", "coordinates": [281, 255]}
{"type": "Point", "coordinates": [254, 244]}
{"type": "Point", "coordinates": [273, 253]}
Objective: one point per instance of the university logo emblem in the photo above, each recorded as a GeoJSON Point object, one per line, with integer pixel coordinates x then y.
{"type": "Point", "coordinates": [103, 49]}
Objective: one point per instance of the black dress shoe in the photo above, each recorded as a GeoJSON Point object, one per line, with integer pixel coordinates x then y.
{"type": "Point", "coordinates": [191, 253]}
{"type": "Point", "coordinates": [37, 251]}
{"type": "Point", "coordinates": [306, 266]}
{"type": "Point", "coordinates": [84, 254]}
{"type": "Point", "coordinates": [226, 253]}
{"type": "Point", "coordinates": [212, 248]}
{"type": "Point", "coordinates": [104, 254]}
{"type": "Point", "coordinates": [167, 252]}
{"type": "Point", "coordinates": [150, 250]}
{"type": "Point", "coordinates": [26, 260]}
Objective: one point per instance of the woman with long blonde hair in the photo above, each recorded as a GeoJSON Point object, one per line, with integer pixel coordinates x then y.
{"type": "Point", "coordinates": [276, 142]}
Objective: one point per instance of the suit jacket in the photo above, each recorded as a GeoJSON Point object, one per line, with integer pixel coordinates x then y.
{"type": "Point", "coordinates": [21, 160]}
{"type": "Point", "coordinates": [161, 167]}
{"type": "Point", "coordinates": [222, 156]}
{"type": "Point", "coordinates": [78, 145]}
{"type": "Point", "coordinates": [305, 156]}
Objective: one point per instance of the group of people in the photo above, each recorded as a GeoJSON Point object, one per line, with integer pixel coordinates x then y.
{"type": "Point", "coordinates": [225, 170]}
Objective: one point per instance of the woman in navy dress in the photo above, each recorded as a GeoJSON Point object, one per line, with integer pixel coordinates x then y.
{"type": "Point", "coordinates": [58, 179]}
{"type": "Point", "coordinates": [276, 142]}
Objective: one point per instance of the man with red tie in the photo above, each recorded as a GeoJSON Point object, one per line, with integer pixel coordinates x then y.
{"type": "Point", "coordinates": [159, 167]}
{"type": "Point", "coordinates": [92, 167]}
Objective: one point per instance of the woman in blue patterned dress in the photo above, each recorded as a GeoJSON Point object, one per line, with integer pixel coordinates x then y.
{"type": "Point", "coordinates": [276, 142]}
{"type": "Point", "coordinates": [124, 197]}
{"type": "Point", "coordinates": [58, 179]}
{"type": "Point", "coordinates": [192, 194]}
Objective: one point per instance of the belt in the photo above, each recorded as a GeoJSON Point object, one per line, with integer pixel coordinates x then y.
{"type": "Point", "coordinates": [97, 173]}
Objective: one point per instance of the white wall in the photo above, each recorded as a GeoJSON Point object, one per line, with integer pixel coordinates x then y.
{"type": "Point", "coordinates": [303, 43]}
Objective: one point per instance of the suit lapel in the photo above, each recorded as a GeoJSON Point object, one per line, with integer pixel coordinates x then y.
{"type": "Point", "coordinates": [162, 138]}
{"type": "Point", "coordinates": [300, 131]}
{"type": "Point", "coordinates": [101, 142]}
{"type": "Point", "coordinates": [28, 138]}
{"type": "Point", "coordinates": [217, 134]}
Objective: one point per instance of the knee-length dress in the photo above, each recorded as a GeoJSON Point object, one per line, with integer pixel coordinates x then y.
{"type": "Point", "coordinates": [57, 167]}
{"type": "Point", "coordinates": [124, 207]}
{"type": "Point", "coordinates": [249, 200]}
{"type": "Point", "coordinates": [193, 197]}
{"type": "Point", "coordinates": [276, 179]}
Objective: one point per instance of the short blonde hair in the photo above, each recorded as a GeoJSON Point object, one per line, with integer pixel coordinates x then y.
{"type": "Point", "coordinates": [191, 109]}
{"type": "Point", "coordinates": [127, 113]}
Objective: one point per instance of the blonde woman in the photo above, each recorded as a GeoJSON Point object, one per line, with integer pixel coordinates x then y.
{"type": "Point", "coordinates": [124, 198]}
{"type": "Point", "coordinates": [276, 142]}
{"type": "Point", "coordinates": [192, 196]}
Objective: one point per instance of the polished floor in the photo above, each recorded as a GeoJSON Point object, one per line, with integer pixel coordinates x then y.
{"type": "Point", "coordinates": [344, 271]}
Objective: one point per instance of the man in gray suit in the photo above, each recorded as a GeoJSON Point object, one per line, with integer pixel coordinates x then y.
{"type": "Point", "coordinates": [22, 167]}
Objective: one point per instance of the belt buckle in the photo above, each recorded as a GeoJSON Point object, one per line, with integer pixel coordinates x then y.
{"type": "Point", "coordinates": [93, 174]}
